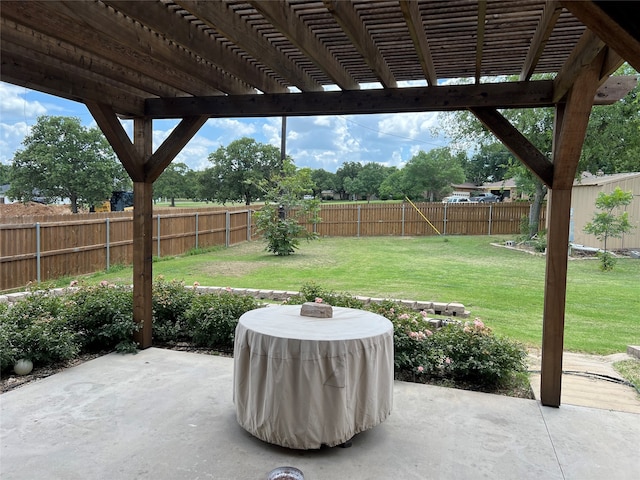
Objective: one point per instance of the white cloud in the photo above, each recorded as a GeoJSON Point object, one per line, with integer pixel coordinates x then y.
{"type": "Point", "coordinates": [14, 104]}
{"type": "Point", "coordinates": [231, 127]}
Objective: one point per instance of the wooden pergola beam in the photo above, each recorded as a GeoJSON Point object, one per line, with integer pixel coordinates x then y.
{"type": "Point", "coordinates": [614, 22]}
{"type": "Point", "coordinates": [482, 12]}
{"type": "Point", "coordinates": [413, 17]}
{"type": "Point", "coordinates": [522, 148]}
{"type": "Point", "coordinates": [550, 15]}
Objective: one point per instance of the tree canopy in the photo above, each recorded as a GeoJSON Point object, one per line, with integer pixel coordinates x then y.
{"type": "Point", "coordinates": [62, 159]}
{"type": "Point", "coordinates": [429, 175]}
{"type": "Point", "coordinates": [239, 169]}
{"type": "Point", "coordinates": [175, 182]}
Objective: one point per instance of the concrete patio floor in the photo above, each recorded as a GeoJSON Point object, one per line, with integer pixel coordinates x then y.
{"type": "Point", "coordinates": [164, 414]}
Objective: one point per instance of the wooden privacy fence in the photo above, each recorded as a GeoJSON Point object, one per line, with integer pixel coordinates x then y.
{"type": "Point", "coordinates": [35, 249]}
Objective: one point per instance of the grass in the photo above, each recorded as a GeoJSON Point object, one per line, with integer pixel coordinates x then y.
{"type": "Point", "coordinates": [505, 288]}
{"type": "Point", "coordinates": [630, 371]}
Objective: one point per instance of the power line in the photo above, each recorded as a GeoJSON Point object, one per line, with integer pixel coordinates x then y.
{"type": "Point", "coordinates": [392, 134]}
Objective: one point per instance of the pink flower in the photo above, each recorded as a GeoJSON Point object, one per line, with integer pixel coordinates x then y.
{"type": "Point", "coordinates": [73, 283]}
{"type": "Point", "coordinates": [104, 283]}
{"type": "Point", "coordinates": [392, 310]}
{"type": "Point", "coordinates": [423, 313]}
{"type": "Point", "coordinates": [318, 300]}
{"type": "Point", "coordinates": [196, 284]}
{"type": "Point", "coordinates": [428, 332]}
{"type": "Point", "coordinates": [447, 361]}
{"type": "Point", "coordinates": [420, 369]}
{"type": "Point", "coordinates": [404, 316]}
{"type": "Point", "coordinates": [228, 289]}
{"type": "Point", "coordinates": [478, 323]}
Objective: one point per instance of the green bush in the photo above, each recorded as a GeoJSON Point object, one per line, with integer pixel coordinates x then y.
{"type": "Point", "coordinates": [171, 300]}
{"type": "Point", "coordinates": [212, 318]}
{"type": "Point", "coordinates": [471, 355]}
{"type": "Point", "coordinates": [102, 316]}
{"type": "Point", "coordinates": [35, 328]}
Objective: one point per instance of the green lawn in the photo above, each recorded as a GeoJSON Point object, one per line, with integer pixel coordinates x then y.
{"type": "Point", "coordinates": [503, 287]}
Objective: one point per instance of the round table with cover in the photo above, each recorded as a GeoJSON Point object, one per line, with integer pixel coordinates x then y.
{"type": "Point", "coordinates": [302, 382]}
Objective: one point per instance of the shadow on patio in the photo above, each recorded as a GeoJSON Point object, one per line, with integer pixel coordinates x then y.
{"type": "Point", "coordinates": [164, 414]}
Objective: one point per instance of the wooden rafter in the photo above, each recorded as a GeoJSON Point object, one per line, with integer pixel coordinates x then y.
{"type": "Point", "coordinates": [615, 22]}
{"type": "Point", "coordinates": [347, 16]}
{"type": "Point", "coordinates": [72, 56]}
{"type": "Point", "coordinates": [413, 17]}
{"type": "Point", "coordinates": [187, 34]}
{"type": "Point", "coordinates": [218, 16]}
{"type": "Point", "coordinates": [101, 20]}
{"type": "Point", "coordinates": [290, 25]}
{"type": "Point", "coordinates": [125, 55]}
{"type": "Point", "coordinates": [482, 12]}
{"type": "Point", "coordinates": [550, 15]}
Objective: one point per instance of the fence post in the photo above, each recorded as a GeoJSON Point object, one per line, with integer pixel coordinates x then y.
{"type": "Point", "coordinates": [108, 262]}
{"type": "Point", "coordinates": [158, 235]}
{"type": "Point", "coordinates": [38, 251]}
{"type": "Point", "coordinates": [196, 230]}
{"type": "Point", "coordinates": [227, 229]}
{"type": "Point", "coordinates": [358, 221]}
{"type": "Point", "coordinates": [490, 216]}
{"type": "Point", "coordinates": [444, 221]}
{"type": "Point", "coordinates": [402, 234]}
{"type": "Point", "coordinates": [248, 225]}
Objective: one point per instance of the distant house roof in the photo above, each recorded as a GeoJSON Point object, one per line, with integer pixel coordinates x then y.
{"type": "Point", "coordinates": [589, 179]}
{"type": "Point", "coordinates": [508, 183]}
{"type": "Point", "coordinates": [465, 186]}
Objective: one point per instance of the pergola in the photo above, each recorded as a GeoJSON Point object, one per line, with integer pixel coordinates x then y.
{"type": "Point", "coordinates": [193, 60]}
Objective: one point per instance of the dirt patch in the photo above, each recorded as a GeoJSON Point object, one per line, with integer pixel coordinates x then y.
{"type": "Point", "coordinates": [231, 269]}
{"type": "Point", "coordinates": [32, 209]}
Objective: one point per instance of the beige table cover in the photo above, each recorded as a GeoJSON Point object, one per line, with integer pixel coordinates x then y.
{"type": "Point", "coordinates": [301, 382]}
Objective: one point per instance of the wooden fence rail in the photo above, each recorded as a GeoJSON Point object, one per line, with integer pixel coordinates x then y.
{"type": "Point", "coordinates": [37, 249]}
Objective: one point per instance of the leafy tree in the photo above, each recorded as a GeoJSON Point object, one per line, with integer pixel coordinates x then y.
{"type": "Point", "coordinates": [5, 174]}
{"type": "Point", "coordinates": [430, 174]}
{"type": "Point", "coordinates": [323, 180]}
{"type": "Point", "coordinates": [353, 187]}
{"type": "Point", "coordinates": [62, 159]}
{"type": "Point", "coordinates": [239, 169]}
{"type": "Point", "coordinates": [393, 185]}
{"type": "Point", "coordinates": [347, 170]}
{"type": "Point", "coordinates": [608, 223]}
{"type": "Point", "coordinates": [489, 164]}
{"type": "Point", "coordinates": [173, 183]}
{"type": "Point", "coordinates": [280, 220]}
{"type": "Point", "coordinates": [370, 178]}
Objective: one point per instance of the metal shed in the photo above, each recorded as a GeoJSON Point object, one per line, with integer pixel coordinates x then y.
{"type": "Point", "coordinates": [583, 199]}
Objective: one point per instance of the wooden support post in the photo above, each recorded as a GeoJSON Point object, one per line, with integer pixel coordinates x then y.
{"type": "Point", "coordinates": [569, 131]}
{"type": "Point", "coordinates": [143, 239]}
{"type": "Point", "coordinates": [555, 296]}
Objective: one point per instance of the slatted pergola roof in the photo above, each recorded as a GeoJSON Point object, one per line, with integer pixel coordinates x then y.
{"type": "Point", "coordinates": [193, 60]}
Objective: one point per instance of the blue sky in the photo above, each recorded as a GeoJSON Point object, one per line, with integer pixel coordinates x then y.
{"type": "Point", "coordinates": [316, 142]}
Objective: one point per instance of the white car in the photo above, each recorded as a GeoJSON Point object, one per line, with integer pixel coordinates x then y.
{"type": "Point", "coordinates": [455, 200]}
